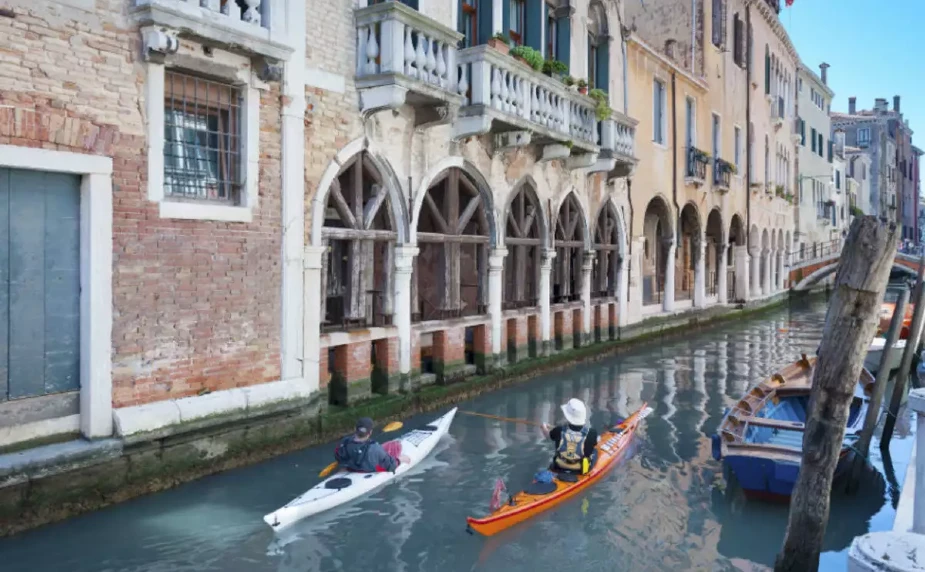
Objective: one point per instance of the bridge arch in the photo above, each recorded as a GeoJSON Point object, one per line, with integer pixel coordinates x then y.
{"type": "Point", "coordinates": [804, 281]}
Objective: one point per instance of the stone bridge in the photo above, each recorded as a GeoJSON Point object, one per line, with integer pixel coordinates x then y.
{"type": "Point", "coordinates": [804, 274]}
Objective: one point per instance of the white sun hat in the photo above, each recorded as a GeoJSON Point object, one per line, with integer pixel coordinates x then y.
{"type": "Point", "coordinates": [575, 412]}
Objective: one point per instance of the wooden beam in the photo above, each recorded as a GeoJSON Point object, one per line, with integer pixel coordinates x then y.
{"type": "Point", "coordinates": [343, 209]}
{"type": "Point", "coordinates": [459, 239]}
{"type": "Point", "coordinates": [523, 241]}
{"type": "Point", "coordinates": [435, 212]}
{"type": "Point", "coordinates": [850, 324]}
{"type": "Point", "coordinates": [569, 243]}
{"type": "Point", "coordinates": [372, 170]}
{"type": "Point", "coordinates": [528, 221]}
{"type": "Point", "coordinates": [513, 222]}
{"type": "Point", "coordinates": [353, 234]}
{"type": "Point", "coordinates": [372, 208]}
{"type": "Point", "coordinates": [468, 212]}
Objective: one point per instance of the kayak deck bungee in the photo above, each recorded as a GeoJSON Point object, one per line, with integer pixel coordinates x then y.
{"type": "Point", "coordinates": [540, 497]}
{"type": "Point", "coordinates": [344, 486]}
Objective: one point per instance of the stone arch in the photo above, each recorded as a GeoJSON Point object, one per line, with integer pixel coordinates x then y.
{"type": "Point", "coordinates": [571, 240]}
{"type": "Point", "coordinates": [715, 250]}
{"type": "Point", "coordinates": [338, 164]}
{"type": "Point", "coordinates": [438, 171]}
{"type": "Point", "coordinates": [525, 236]}
{"type": "Point", "coordinates": [690, 234]}
{"type": "Point", "coordinates": [658, 238]}
{"type": "Point", "coordinates": [359, 219]}
{"type": "Point", "coordinates": [529, 183]}
{"type": "Point", "coordinates": [754, 241]}
{"type": "Point", "coordinates": [453, 230]}
{"type": "Point", "coordinates": [608, 251]}
{"type": "Point", "coordinates": [737, 231]}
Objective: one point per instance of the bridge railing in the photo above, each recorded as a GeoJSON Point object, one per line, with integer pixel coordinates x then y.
{"type": "Point", "coordinates": [810, 252]}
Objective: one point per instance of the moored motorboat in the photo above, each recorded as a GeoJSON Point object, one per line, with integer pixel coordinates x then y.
{"type": "Point", "coordinates": [886, 316]}
{"type": "Point", "coordinates": [540, 497]}
{"type": "Point", "coordinates": [344, 486]}
{"type": "Point", "coordinates": [875, 354]}
{"type": "Point", "coordinates": [760, 440]}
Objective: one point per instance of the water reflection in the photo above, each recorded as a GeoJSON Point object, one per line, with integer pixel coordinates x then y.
{"type": "Point", "coordinates": [665, 508]}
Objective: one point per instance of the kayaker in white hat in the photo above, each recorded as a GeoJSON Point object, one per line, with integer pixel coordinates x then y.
{"type": "Point", "coordinates": [575, 439]}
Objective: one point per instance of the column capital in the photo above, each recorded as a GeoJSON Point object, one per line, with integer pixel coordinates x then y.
{"type": "Point", "coordinates": [587, 260]}
{"type": "Point", "coordinates": [546, 257]}
{"type": "Point", "coordinates": [404, 259]}
{"type": "Point", "coordinates": [496, 258]}
{"type": "Point", "coordinates": [406, 251]}
{"type": "Point", "coordinates": [313, 257]}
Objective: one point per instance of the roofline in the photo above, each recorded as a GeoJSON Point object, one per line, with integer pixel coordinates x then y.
{"type": "Point", "coordinates": [802, 67]}
{"type": "Point", "coordinates": [697, 81]}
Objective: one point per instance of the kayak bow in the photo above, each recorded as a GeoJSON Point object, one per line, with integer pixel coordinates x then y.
{"type": "Point", "coordinates": [611, 447]}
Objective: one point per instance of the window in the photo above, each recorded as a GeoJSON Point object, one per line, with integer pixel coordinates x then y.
{"type": "Point", "coordinates": [517, 21]}
{"type": "Point", "coordinates": [864, 137]}
{"type": "Point", "coordinates": [738, 41]}
{"type": "Point", "coordinates": [716, 137]}
{"type": "Point", "coordinates": [767, 70]}
{"type": "Point", "coordinates": [812, 136]}
{"type": "Point", "coordinates": [658, 115]}
{"type": "Point", "coordinates": [598, 53]}
{"type": "Point", "coordinates": [690, 131]}
{"type": "Point", "coordinates": [552, 31]}
{"type": "Point", "coordinates": [202, 139]}
{"type": "Point", "coordinates": [592, 61]}
{"type": "Point", "coordinates": [469, 22]}
{"type": "Point", "coordinates": [802, 132]}
{"type": "Point", "coordinates": [837, 179]}
{"type": "Point", "coordinates": [738, 149]}
{"type": "Point", "coordinates": [719, 23]}
{"type": "Point", "coordinates": [831, 146]}
{"type": "Point", "coordinates": [821, 146]}
{"type": "Point", "coordinates": [800, 84]}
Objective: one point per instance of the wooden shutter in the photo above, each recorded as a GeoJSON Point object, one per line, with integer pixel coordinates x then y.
{"type": "Point", "coordinates": [533, 24]}
{"type": "Point", "coordinates": [483, 17]}
{"type": "Point", "coordinates": [767, 71]}
{"type": "Point", "coordinates": [564, 41]}
{"type": "Point", "coordinates": [602, 80]}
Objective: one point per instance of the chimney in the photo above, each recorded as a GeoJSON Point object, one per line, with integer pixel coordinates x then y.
{"type": "Point", "coordinates": [852, 105]}
{"type": "Point", "coordinates": [896, 103]}
{"type": "Point", "coordinates": [825, 76]}
{"type": "Point", "coordinates": [880, 105]}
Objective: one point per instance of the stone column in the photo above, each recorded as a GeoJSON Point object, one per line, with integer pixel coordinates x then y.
{"type": "Point", "coordinates": [495, 295]}
{"type": "Point", "coordinates": [404, 263]}
{"type": "Point", "coordinates": [743, 274]}
{"type": "Point", "coordinates": [312, 292]}
{"type": "Point", "coordinates": [772, 271]}
{"type": "Point", "coordinates": [700, 294]}
{"type": "Point", "coordinates": [721, 275]}
{"type": "Point", "coordinates": [546, 259]}
{"type": "Point", "coordinates": [668, 299]}
{"type": "Point", "coordinates": [766, 260]}
{"type": "Point", "coordinates": [623, 290]}
{"type": "Point", "coordinates": [780, 270]}
{"type": "Point", "coordinates": [755, 283]}
{"type": "Point", "coordinates": [587, 263]}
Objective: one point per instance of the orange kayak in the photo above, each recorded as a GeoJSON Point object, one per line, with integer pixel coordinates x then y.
{"type": "Point", "coordinates": [886, 316]}
{"type": "Point", "coordinates": [611, 446]}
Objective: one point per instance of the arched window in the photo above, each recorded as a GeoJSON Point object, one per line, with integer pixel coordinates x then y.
{"type": "Point", "coordinates": [598, 48]}
{"type": "Point", "coordinates": [606, 254]}
{"type": "Point", "coordinates": [524, 242]}
{"type": "Point", "coordinates": [569, 242]}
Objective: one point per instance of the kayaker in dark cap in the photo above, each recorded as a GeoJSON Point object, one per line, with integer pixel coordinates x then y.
{"type": "Point", "coordinates": [360, 453]}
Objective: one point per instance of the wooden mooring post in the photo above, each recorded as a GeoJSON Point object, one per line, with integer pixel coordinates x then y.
{"type": "Point", "coordinates": [860, 281]}
{"type": "Point", "coordinates": [876, 400]}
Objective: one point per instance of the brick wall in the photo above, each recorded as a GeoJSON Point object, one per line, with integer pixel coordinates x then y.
{"type": "Point", "coordinates": [196, 304]}
{"type": "Point", "coordinates": [352, 373]}
{"type": "Point", "coordinates": [449, 353]}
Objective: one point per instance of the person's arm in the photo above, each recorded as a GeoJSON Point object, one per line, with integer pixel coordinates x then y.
{"type": "Point", "coordinates": [555, 435]}
{"type": "Point", "coordinates": [590, 442]}
{"type": "Point", "coordinates": [384, 462]}
{"type": "Point", "coordinates": [340, 455]}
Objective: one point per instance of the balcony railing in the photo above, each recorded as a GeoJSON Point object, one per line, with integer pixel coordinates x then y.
{"type": "Point", "coordinates": [258, 27]}
{"type": "Point", "coordinates": [405, 57]}
{"type": "Point", "coordinates": [618, 146]}
{"type": "Point", "coordinates": [722, 174]}
{"type": "Point", "coordinates": [696, 166]}
{"type": "Point", "coordinates": [502, 94]}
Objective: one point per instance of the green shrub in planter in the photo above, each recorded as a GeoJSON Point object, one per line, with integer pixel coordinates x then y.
{"type": "Point", "coordinates": [533, 57]}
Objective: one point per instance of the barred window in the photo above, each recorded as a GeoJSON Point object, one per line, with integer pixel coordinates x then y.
{"type": "Point", "coordinates": [202, 139]}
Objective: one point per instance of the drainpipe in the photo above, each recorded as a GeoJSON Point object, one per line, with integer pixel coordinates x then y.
{"type": "Point", "coordinates": [674, 158]}
{"type": "Point", "coordinates": [749, 137]}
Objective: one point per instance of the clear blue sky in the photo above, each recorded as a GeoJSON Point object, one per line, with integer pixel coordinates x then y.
{"type": "Point", "coordinates": [876, 49]}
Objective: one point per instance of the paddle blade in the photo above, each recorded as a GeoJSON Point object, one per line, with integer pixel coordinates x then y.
{"type": "Point", "coordinates": [496, 495]}
{"type": "Point", "coordinates": [328, 470]}
{"type": "Point", "coordinates": [393, 426]}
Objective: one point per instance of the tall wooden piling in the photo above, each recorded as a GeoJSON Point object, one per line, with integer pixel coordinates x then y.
{"type": "Point", "coordinates": [912, 345]}
{"type": "Point", "coordinates": [851, 321]}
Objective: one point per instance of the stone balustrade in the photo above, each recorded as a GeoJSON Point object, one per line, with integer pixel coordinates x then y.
{"type": "Point", "coordinates": [498, 88]}
{"type": "Point", "coordinates": [405, 57]}
{"type": "Point", "coordinates": [618, 146]}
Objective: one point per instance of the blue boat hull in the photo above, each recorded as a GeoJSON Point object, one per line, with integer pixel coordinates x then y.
{"type": "Point", "coordinates": [767, 479]}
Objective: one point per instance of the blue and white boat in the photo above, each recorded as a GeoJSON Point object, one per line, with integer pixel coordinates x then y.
{"type": "Point", "coordinates": [760, 440]}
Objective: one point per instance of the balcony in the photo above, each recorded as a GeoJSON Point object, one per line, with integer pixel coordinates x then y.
{"type": "Point", "coordinates": [523, 106]}
{"type": "Point", "coordinates": [777, 111]}
{"type": "Point", "coordinates": [695, 172]}
{"type": "Point", "coordinates": [796, 135]}
{"type": "Point", "coordinates": [253, 27]}
{"type": "Point", "coordinates": [405, 58]}
{"type": "Point", "coordinates": [722, 175]}
{"type": "Point", "coordinates": [618, 146]}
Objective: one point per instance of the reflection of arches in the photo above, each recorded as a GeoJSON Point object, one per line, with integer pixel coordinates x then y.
{"type": "Point", "coordinates": [341, 161]}
{"type": "Point", "coordinates": [658, 236]}
{"type": "Point", "coordinates": [570, 242]}
{"type": "Point", "coordinates": [688, 251]}
{"type": "Point", "coordinates": [525, 232]}
{"type": "Point", "coordinates": [608, 252]}
{"type": "Point", "coordinates": [714, 250]}
{"type": "Point", "coordinates": [453, 231]}
{"type": "Point", "coordinates": [358, 228]}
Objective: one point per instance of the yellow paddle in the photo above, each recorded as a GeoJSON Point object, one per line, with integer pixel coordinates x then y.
{"type": "Point", "coordinates": [393, 426]}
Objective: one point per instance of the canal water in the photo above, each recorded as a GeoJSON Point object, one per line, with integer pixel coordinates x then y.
{"type": "Point", "coordinates": [664, 508]}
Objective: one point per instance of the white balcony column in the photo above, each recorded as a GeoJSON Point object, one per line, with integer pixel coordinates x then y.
{"type": "Point", "coordinates": [495, 295]}
{"type": "Point", "coordinates": [668, 300]}
{"type": "Point", "coordinates": [547, 256]}
{"type": "Point", "coordinates": [743, 273]}
{"type": "Point", "coordinates": [313, 281]}
{"type": "Point", "coordinates": [587, 264]}
{"type": "Point", "coordinates": [766, 262]}
{"type": "Point", "coordinates": [722, 284]}
{"type": "Point", "coordinates": [755, 282]}
{"type": "Point", "coordinates": [404, 264]}
{"type": "Point", "coordinates": [700, 294]}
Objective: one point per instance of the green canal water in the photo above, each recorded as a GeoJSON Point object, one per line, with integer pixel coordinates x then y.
{"type": "Point", "coordinates": [664, 508]}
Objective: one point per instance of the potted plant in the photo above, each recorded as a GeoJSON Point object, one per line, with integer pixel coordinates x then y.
{"type": "Point", "coordinates": [554, 68]}
{"type": "Point", "coordinates": [528, 56]}
{"type": "Point", "coordinates": [602, 111]}
{"type": "Point", "coordinates": [779, 190]}
{"type": "Point", "coordinates": [500, 42]}
{"type": "Point", "coordinates": [569, 82]}
{"type": "Point", "coordinates": [582, 87]}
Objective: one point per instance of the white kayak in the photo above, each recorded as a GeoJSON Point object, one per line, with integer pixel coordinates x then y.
{"type": "Point", "coordinates": [344, 486]}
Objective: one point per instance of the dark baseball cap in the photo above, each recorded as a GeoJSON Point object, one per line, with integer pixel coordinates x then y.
{"type": "Point", "coordinates": [364, 426]}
